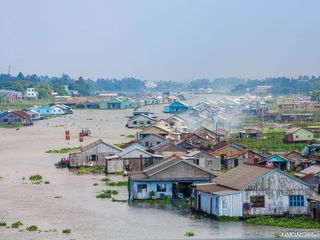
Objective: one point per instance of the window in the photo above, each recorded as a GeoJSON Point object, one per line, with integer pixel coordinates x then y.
{"type": "Point", "coordinates": [161, 187]}
{"type": "Point", "coordinates": [148, 122]}
{"type": "Point", "coordinates": [257, 201]}
{"type": "Point", "coordinates": [135, 122]}
{"type": "Point", "coordinates": [158, 143]}
{"type": "Point", "coordinates": [297, 136]}
{"type": "Point", "coordinates": [142, 187]}
{"type": "Point", "coordinates": [209, 162]}
{"type": "Point", "coordinates": [5, 120]}
{"type": "Point", "coordinates": [309, 136]}
{"type": "Point", "coordinates": [147, 144]}
{"type": "Point", "coordinates": [296, 201]}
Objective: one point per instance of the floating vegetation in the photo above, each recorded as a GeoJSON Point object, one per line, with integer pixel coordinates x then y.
{"type": "Point", "coordinates": [16, 224]}
{"type": "Point", "coordinates": [66, 231]}
{"type": "Point", "coordinates": [35, 178]}
{"type": "Point", "coordinates": [130, 136]}
{"type": "Point", "coordinates": [32, 228]}
{"type": "Point", "coordinates": [107, 193]}
{"type": "Point", "coordinates": [3, 224]}
{"type": "Point", "coordinates": [62, 150]}
{"type": "Point", "coordinates": [189, 234]}
{"type": "Point", "coordinates": [95, 184]}
{"type": "Point", "coordinates": [36, 182]}
{"type": "Point", "coordinates": [91, 170]}
{"type": "Point", "coordinates": [46, 182]}
{"type": "Point", "coordinates": [228, 219]}
{"type": "Point", "coordinates": [106, 180]}
{"type": "Point", "coordinates": [117, 184]}
{"type": "Point", "coordinates": [288, 222]}
{"type": "Point", "coordinates": [153, 201]}
{"type": "Point", "coordinates": [119, 200]}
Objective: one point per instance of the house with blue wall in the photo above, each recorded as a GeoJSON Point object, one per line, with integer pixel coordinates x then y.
{"type": "Point", "coordinates": [43, 110]}
{"type": "Point", "coordinates": [249, 190]}
{"type": "Point", "coordinates": [176, 107]}
{"type": "Point", "coordinates": [171, 178]}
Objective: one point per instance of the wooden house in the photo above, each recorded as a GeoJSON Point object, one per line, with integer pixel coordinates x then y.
{"type": "Point", "coordinates": [297, 117]}
{"type": "Point", "coordinates": [314, 210]}
{"type": "Point", "coordinates": [249, 190]}
{"type": "Point", "coordinates": [178, 123]}
{"type": "Point", "coordinates": [167, 149]}
{"type": "Point", "coordinates": [277, 161]}
{"type": "Point", "coordinates": [311, 176]}
{"type": "Point", "coordinates": [205, 160]}
{"type": "Point", "coordinates": [15, 117]}
{"type": "Point", "coordinates": [115, 103]}
{"type": "Point", "coordinates": [135, 158]}
{"type": "Point", "coordinates": [140, 121]}
{"type": "Point", "coordinates": [227, 149]}
{"type": "Point", "coordinates": [152, 129]}
{"type": "Point", "coordinates": [34, 114]}
{"type": "Point", "coordinates": [170, 178]}
{"type": "Point", "coordinates": [87, 104]}
{"type": "Point", "coordinates": [57, 110]}
{"type": "Point", "coordinates": [250, 133]}
{"type": "Point", "coordinates": [44, 110]}
{"type": "Point", "coordinates": [152, 140]}
{"type": "Point", "coordinates": [176, 107]}
{"type": "Point", "coordinates": [298, 160]}
{"type": "Point", "coordinates": [186, 145]}
{"type": "Point", "coordinates": [231, 154]}
{"type": "Point", "coordinates": [252, 157]}
{"type": "Point", "coordinates": [92, 154]}
{"type": "Point", "coordinates": [298, 135]}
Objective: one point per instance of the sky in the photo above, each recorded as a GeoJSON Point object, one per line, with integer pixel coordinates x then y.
{"type": "Point", "coordinates": [176, 40]}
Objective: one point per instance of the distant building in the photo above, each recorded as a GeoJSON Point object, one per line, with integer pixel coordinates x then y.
{"type": "Point", "coordinates": [140, 121]}
{"type": "Point", "coordinates": [298, 135]}
{"type": "Point", "coordinates": [176, 107]}
{"type": "Point", "coordinates": [11, 96]}
{"type": "Point", "coordinates": [31, 93]}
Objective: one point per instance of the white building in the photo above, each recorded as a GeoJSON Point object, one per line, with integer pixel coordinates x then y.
{"type": "Point", "coordinates": [31, 93]}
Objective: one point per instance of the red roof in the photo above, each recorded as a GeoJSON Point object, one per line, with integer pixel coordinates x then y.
{"type": "Point", "coordinates": [21, 114]}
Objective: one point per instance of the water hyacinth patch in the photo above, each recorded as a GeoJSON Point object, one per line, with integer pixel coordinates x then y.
{"type": "Point", "coordinates": [3, 224]}
{"type": "Point", "coordinates": [189, 234]}
{"type": "Point", "coordinates": [35, 178]}
{"type": "Point", "coordinates": [288, 222]}
{"type": "Point", "coordinates": [16, 224]}
{"type": "Point", "coordinates": [32, 228]}
{"type": "Point", "coordinates": [66, 231]}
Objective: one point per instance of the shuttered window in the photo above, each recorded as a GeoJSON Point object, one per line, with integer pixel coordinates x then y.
{"type": "Point", "coordinates": [257, 201]}
{"type": "Point", "coordinates": [296, 201]}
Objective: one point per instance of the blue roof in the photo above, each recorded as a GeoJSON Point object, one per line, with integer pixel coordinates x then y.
{"type": "Point", "coordinates": [177, 104]}
{"type": "Point", "coordinates": [277, 158]}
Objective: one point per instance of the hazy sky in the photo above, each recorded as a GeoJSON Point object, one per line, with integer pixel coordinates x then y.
{"type": "Point", "coordinates": [159, 39]}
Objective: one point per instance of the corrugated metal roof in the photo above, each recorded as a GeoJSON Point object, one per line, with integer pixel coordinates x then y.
{"type": "Point", "coordinates": [241, 175]}
{"type": "Point", "coordinates": [312, 169]}
{"type": "Point", "coordinates": [213, 188]}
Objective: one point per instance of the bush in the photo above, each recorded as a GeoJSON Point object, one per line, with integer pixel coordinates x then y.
{"type": "Point", "coordinates": [16, 224]}
{"type": "Point", "coordinates": [66, 231]}
{"type": "Point", "coordinates": [91, 170]}
{"type": "Point", "coordinates": [32, 228]}
{"type": "Point", "coordinates": [35, 178]}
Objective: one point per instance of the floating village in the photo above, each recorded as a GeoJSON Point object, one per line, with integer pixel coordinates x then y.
{"type": "Point", "coordinates": [254, 158]}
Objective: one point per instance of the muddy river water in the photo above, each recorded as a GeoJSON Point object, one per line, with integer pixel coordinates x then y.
{"type": "Point", "coordinates": [69, 201]}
